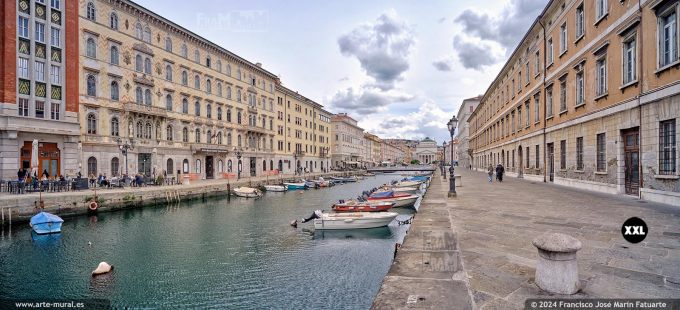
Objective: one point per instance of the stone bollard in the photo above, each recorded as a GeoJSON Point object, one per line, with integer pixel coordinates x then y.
{"type": "Point", "coordinates": [557, 268]}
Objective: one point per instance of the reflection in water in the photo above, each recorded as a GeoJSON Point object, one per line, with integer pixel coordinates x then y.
{"type": "Point", "coordinates": [371, 233]}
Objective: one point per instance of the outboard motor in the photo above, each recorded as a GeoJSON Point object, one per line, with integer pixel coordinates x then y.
{"type": "Point", "coordinates": [314, 215]}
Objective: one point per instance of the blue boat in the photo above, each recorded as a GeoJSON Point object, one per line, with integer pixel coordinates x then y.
{"type": "Point", "coordinates": [292, 186]}
{"type": "Point", "coordinates": [46, 223]}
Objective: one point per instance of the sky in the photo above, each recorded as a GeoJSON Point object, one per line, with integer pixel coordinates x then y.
{"type": "Point", "coordinates": [400, 68]}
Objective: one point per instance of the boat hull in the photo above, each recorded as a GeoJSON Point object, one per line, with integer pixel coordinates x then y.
{"type": "Point", "coordinates": [294, 186]}
{"type": "Point", "coordinates": [47, 228]}
{"type": "Point", "coordinates": [247, 193]}
{"type": "Point", "coordinates": [362, 207]}
{"type": "Point", "coordinates": [354, 222]}
{"type": "Point", "coordinates": [399, 201]}
{"type": "Point", "coordinates": [275, 188]}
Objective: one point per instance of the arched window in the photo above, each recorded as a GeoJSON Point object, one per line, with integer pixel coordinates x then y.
{"type": "Point", "coordinates": [264, 165]}
{"type": "Point", "coordinates": [208, 111]}
{"type": "Point", "coordinates": [239, 141]}
{"type": "Point", "coordinates": [168, 72]}
{"type": "Point", "coordinates": [185, 166]}
{"type": "Point", "coordinates": [91, 85]}
{"type": "Point", "coordinates": [139, 64]}
{"type": "Point", "coordinates": [219, 137]}
{"type": "Point", "coordinates": [228, 70]}
{"type": "Point", "coordinates": [168, 44]}
{"type": "Point", "coordinates": [114, 91]}
{"type": "Point", "coordinates": [197, 56]}
{"type": "Point", "coordinates": [92, 124]}
{"type": "Point", "coordinates": [197, 108]}
{"type": "Point", "coordinates": [147, 131]}
{"type": "Point", "coordinates": [147, 97]}
{"type": "Point", "coordinates": [228, 92]}
{"type": "Point", "coordinates": [140, 130]}
{"type": "Point", "coordinates": [219, 89]}
{"type": "Point", "coordinates": [114, 167]}
{"type": "Point", "coordinates": [197, 136]}
{"type": "Point", "coordinates": [113, 21]}
{"type": "Point", "coordinates": [238, 96]}
{"type": "Point", "coordinates": [184, 50]}
{"type": "Point", "coordinates": [185, 134]}
{"type": "Point", "coordinates": [229, 138]}
{"type": "Point", "coordinates": [91, 48]}
{"type": "Point", "coordinates": [138, 30]}
{"type": "Point", "coordinates": [92, 167]}
{"type": "Point", "coordinates": [238, 117]}
{"type": "Point", "coordinates": [271, 165]}
{"type": "Point", "coordinates": [208, 61]}
{"type": "Point", "coordinates": [91, 12]}
{"type": "Point", "coordinates": [238, 74]}
{"type": "Point", "coordinates": [147, 66]}
{"type": "Point", "coordinates": [115, 127]}
{"type": "Point", "coordinates": [208, 86]}
{"type": "Point", "coordinates": [197, 82]}
{"type": "Point", "coordinates": [185, 106]}
{"type": "Point", "coordinates": [264, 122]}
{"type": "Point", "coordinates": [139, 99]}
{"type": "Point", "coordinates": [209, 137]}
{"type": "Point", "coordinates": [229, 166]}
{"type": "Point", "coordinates": [170, 167]}
{"type": "Point", "coordinates": [228, 115]}
{"type": "Point", "coordinates": [219, 65]}
{"type": "Point", "coordinates": [185, 78]}
{"type": "Point", "coordinates": [114, 55]}
{"type": "Point", "coordinates": [168, 134]}
{"type": "Point", "coordinates": [219, 113]}
{"type": "Point", "coordinates": [147, 34]}
{"type": "Point", "coordinates": [168, 102]}
{"type": "Point", "coordinates": [198, 166]}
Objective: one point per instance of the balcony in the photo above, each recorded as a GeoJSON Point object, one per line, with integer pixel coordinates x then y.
{"type": "Point", "coordinates": [299, 153]}
{"type": "Point", "coordinates": [252, 109]}
{"type": "Point", "coordinates": [146, 109]}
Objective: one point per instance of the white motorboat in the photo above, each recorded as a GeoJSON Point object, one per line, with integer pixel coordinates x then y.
{"type": "Point", "coordinates": [352, 220]}
{"type": "Point", "coordinates": [401, 190]}
{"type": "Point", "coordinates": [399, 199]}
{"type": "Point", "coordinates": [275, 188]}
{"type": "Point", "coordinates": [408, 184]}
{"type": "Point", "coordinates": [247, 192]}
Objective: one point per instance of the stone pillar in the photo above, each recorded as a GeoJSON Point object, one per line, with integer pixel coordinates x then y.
{"type": "Point", "coordinates": [557, 268]}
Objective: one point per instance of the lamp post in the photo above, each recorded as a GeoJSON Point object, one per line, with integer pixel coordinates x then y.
{"type": "Point", "coordinates": [124, 148]}
{"type": "Point", "coordinates": [238, 153]}
{"type": "Point", "coordinates": [452, 124]}
{"type": "Point", "coordinates": [295, 157]}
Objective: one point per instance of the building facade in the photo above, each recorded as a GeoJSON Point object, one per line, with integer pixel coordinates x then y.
{"type": "Point", "coordinates": [405, 145]}
{"type": "Point", "coordinates": [463, 154]}
{"type": "Point", "coordinates": [426, 151]}
{"type": "Point", "coordinates": [373, 150]}
{"type": "Point", "coordinates": [577, 103]}
{"type": "Point", "coordinates": [451, 156]}
{"type": "Point", "coordinates": [390, 154]}
{"type": "Point", "coordinates": [347, 148]}
{"type": "Point", "coordinates": [39, 87]}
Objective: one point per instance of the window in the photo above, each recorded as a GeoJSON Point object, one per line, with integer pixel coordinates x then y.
{"type": "Point", "coordinates": [207, 62]}
{"type": "Point", "coordinates": [91, 85]}
{"type": "Point", "coordinates": [115, 127]}
{"type": "Point", "coordinates": [667, 147]}
{"type": "Point", "coordinates": [147, 66]}
{"type": "Point", "coordinates": [197, 108]}
{"type": "Point", "coordinates": [197, 82]}
{"type": "Point", "coordinates": [208, 86]}
{"type": "Point", "coordinates": [22, 67]}
{"type": "Point", "coordinates": [519, 82]}
{"type": "Point", "coordinates": [185, 78]}
{"type": "Point", "coordinates": [537, 107]}
{"type": "Point", "coordinates": [601, 153]}
{"type": "Point", "coordinates": [600, 8]}
{"type": "Point", "coordinates": [229, 115]}
{"type": "Point", "coordinates": [197, 136]}
{"type": "Point", "coordinates": [170, 166]}
{"type": "Point", "coordinates": [668, 38]}
{"type": "Point", "coordinates": [198, 166]}
{"type": "Point", "coordinates": [147, 131]}
{"type": "Point", "coordinates": [580, 24]}
{"type": "Point", "coordinates": [550, 54]}
{"type": "Point", "coordinates": [39, 71]}
{"type": "Point", "coordinates": [22, 27]}
{"type": "Point", "coordinates": [538, 156]}
{"type": "Point", "coordinates": [208, 111]}
{"type": "Point", "coordinates": [168, 102]}
{"type": "Point", "coordinates": [219, 113]}
{"type": "Point", "coordinates": [139, 63]}
{"type": "Point", "coordinates": [526, 108]}
{"type": "Point", "coordinates": [55, 110]}
{"type": "Point", "coordinates": [92, 124]}
{"type": "Point", "coordinates": [147, 35]}
{"type": "Point", "coordinates": [140, 130]}
{"type": "Point", "coordinates": [168, 44]}
{"type": "Point", "coordinates": [40, 32]}
{"type": "Point", "coordinates": [139, 95]}
{"type": "Point", "coordinates": [579, 89]}
{"type": "Point", "coordinates": [629, 60]}
{"type": "Point", "coordinates": [91, 12]}
{"type": "Point", "coordinates": [197, 56]}
{"type": "Point", "coordinates": [114, 55]}
{"type": "Point", "coordinates": [228, 70]}
{"type": "Point", "coordinates": [185, 135]}
{"type": "Point", "coordinates": [579, 153]}
{"type": "Point", "coordinates": [563, 38]}
{"type": "Point", "coordinates": [238, 96]}
{"type": "Point", "coordinates": [138, 31]}
{"type": "Point", "coordinates": [40, 109]}
{"type": "Point", "coordinates": [92, 163]}
{"type": "Point", "coordinates": [114, 166]}
{"type": "Point", "coordinates": [229, 92]}
{"type": "Point", "coordinates": [549, 102]}
{"type": "Point", "coordinates": [168, 72]}
{"type": "Point", "coordinates": [526, 69]}
{"type": "Point", "coordinates": [147, 97]}
{"type": "Point", "coordinates": [55, 75]}
{"type": "Point", "coordinates": [601, 72]}
{"type": "Point", "coordinates": [219, 89]}
{"type": "Point", "coordinates": [55, 37]}
{"type": "Point", "coordinates": [219, 65]}
{"type": "Point", "coordinates": [563, 94]}
{"type": "Point", "coordinates": [229, 139]}
{"type": "Point", "coordinates": [238, 117]}
{"type": "Point", "coordinates": [114, 91]}
{"type": "Point", "coordinates": [185, 166]}
{"type": "Point", "coordinates": [184, 50]}
{"type": "Point", "coordinates": [185, 106]}
{"type": "Point", "coordinates": [91, 48]}
{"type": "Point", "coordinates": [168, 133]}
{"type": "Point", "coordinates": [23, 107]}
{"type": "Point", "coordinates": [113, 21]}
{"type": "Point", "coordinates": [537, 63]}
{"type": "Point", "coordinates": [209, 137]}
{"type": "Point", "coordinates": [55, 4]}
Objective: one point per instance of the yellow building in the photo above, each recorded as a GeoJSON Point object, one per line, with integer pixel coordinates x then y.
{"type": "Point", "coordinates": [303, 130]}
{"type": "Point", "coordinates": [184, 104]}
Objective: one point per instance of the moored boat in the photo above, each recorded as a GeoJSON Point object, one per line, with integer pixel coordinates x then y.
{"type": "Point", "coordinates": [46, 223]}
{"type": "Point", "coordinates": [351, 220]}
{"type": "Point", "coordinates": [399, 190]}
{"type": "Point", "coordinates": [362, 206]}
{"type": "Point", "coordinates": [399, 199]}
{"type": "Point", "coordinates": [275, 188]}
{"type": "Point", "coordinates": [292, 186]}
{"type": "Point", "coordinates": [247, 192]}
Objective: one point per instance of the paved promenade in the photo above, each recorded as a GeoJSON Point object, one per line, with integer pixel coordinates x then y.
{"type": "Point", "coordinates": [496, 222]}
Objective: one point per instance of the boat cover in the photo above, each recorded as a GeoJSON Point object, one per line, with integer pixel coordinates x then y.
{"type": "Point", "coordinates": [44, 217]}
{"type": "Point", "coordinates": [384, 194]}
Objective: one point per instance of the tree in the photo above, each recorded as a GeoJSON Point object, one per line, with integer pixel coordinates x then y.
{"type": "Point", "coordinates": [415, 162]}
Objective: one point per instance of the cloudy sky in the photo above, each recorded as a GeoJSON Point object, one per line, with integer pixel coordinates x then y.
{"type": "Point", "coordinates": [401, 68]}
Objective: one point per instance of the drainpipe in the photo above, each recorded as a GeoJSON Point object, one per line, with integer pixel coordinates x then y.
{"type": "Point", "coordinates": [639, 99]}
{"type": "Point", "coordinates": [545, 69]}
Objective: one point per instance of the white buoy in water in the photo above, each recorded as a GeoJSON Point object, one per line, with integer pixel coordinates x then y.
{"type": "Point", "coordinates": [103, 268]}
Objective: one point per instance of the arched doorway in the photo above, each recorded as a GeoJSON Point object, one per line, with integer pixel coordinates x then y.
{"type": "Point", "coordinates": [280, 165]}
{"type": "Point", "coordinates": [520, 166]}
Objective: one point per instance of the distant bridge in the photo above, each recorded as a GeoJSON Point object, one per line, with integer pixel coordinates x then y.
{"type": "Point", "coordinates": [402, 168]}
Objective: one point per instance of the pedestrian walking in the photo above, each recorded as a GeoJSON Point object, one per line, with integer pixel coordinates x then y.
{"type": "Point", "coordinates": [499, 172]}
{"type": "Point", "coordinates": [490, 172]}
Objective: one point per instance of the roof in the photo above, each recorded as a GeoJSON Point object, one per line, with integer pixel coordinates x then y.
{"type": "Point", "coordinates": [427, 139]}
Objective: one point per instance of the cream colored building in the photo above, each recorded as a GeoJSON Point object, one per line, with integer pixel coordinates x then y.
{"type": "Point", "coordinates": [577, 104]}
{"type": "Point", "coordinates": [185, 104]}
{"type": "Point", "coordinates": [391, 154]}
{"type": "Point", "coordinates": [462, 152]}
{"type": "Point", "coordinates": [426, 151]}
{"type": "Point", "coordinates": [347, 148]}
{"type": "Point", "coordinates": [372, 150]}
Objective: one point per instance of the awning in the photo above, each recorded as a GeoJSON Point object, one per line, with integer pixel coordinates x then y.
{"type": "Point", "coordinates": [352, 162]}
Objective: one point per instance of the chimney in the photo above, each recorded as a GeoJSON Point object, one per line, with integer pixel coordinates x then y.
{"type": "Point", "coordinates": [259, 64]}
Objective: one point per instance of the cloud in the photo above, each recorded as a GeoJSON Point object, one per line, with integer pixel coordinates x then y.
{"type": "Point", "coordinates": [476, 54]}
{"type": "Point", "coordinates": [443, 64]}
{"type": "Point", "coordinates": [366, 99]}
{"type": "Point", "coordinates": [441, 20]}
{"type": "Point", "coordinates": [382, 48]}
{"type": "Point", "coordinates": [428, 121]}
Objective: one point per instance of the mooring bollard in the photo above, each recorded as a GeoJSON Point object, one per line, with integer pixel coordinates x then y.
{"type": "Point", "coordinates": [557, 267]}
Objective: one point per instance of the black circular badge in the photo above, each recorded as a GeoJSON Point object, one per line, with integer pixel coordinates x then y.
{"type": "Point", "coordinates": [634, 230]}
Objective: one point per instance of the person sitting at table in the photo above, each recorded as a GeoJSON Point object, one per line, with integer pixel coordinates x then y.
{"type": "Point", "coordinates": [45, 174]}
{"type": "Point", "coordinates": [103, 181]}
{"type": "Point", "coordinates": [139, 180]}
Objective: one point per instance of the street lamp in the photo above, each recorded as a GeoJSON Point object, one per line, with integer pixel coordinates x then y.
{"type": "Point", "coordinates": [124, 148]}
{"type": "Point", "coordinates": [452, 124]}
{"type": "Point", "coordinates": [295, 157]}
{"type": "Point", "coordinates": [238, 153]}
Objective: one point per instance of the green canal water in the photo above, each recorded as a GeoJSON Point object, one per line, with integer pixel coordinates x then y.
{"type": "Point", "coordinates": [220, 253]}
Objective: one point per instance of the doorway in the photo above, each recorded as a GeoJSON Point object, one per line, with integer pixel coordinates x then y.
{"type": "Point", "coordinates": [253, 166]}
{"type": "Point", "coordinates": [551, 162]}
{"type": "Point", "coordinates": [144, 164]}
{"type": "Point", "coordinates": [631, 154]}
{"type": "Point", "coordinates": [209, 169]}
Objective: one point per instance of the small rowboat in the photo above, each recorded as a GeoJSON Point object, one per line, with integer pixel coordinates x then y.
{"type": "Point", "coordinates": [363, 206]}
{"type": "Point", "coordinates": [292, 186]}
{"type": "Point", "coordinates": [46, 223]}
{"type": "Point", "coordinates": [400, 200]}
{"type": "Point", "coordinates": [351, 220]}
{"type": "Point", "coordinates": [247, 192]}
{"type": "Point", "coordinates": [275, 188]}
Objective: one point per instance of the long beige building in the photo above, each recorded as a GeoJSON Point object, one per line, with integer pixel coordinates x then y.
{"type": "Point", "coordinates": [347, 147]}
{"type": "Point", "coordinates": [589, 99]}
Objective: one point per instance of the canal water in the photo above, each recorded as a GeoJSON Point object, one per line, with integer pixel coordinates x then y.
{"type": "Point", "coordinates": [237, 254]}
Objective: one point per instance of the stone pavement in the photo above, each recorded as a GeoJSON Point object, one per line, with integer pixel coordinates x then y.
{"type": "Point", "coordinates": [427, 272]}
{"type": "Point", "coordinates": [496, 222]}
